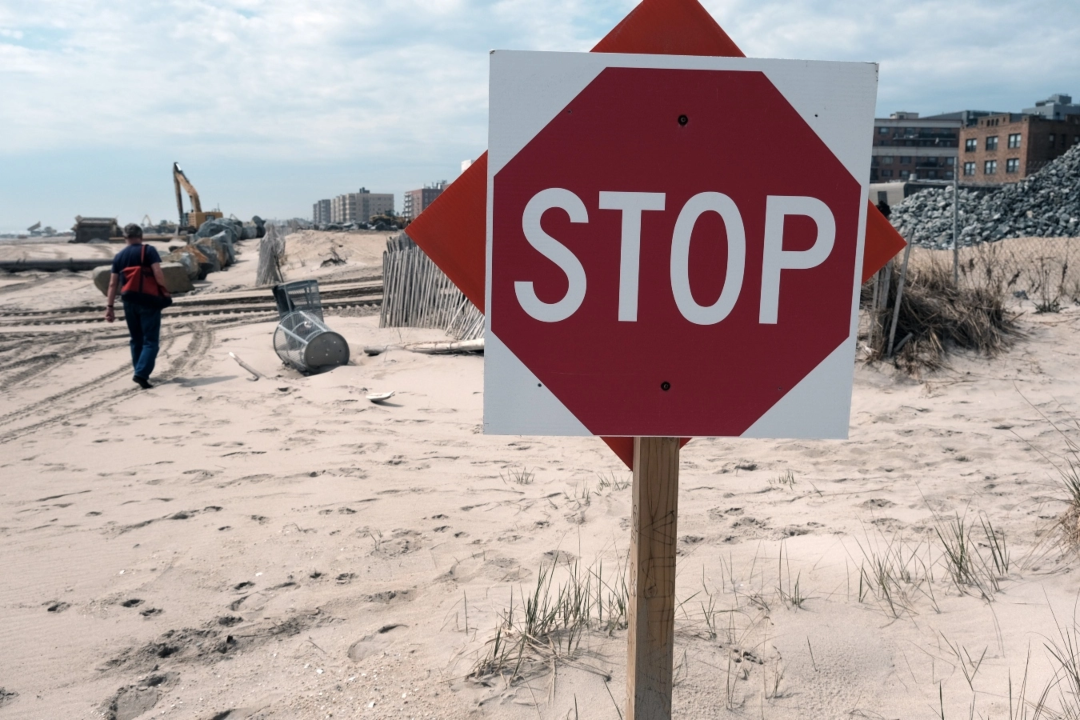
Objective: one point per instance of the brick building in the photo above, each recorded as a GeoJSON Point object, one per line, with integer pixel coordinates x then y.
{"type": "Point", "coordinates": [320, 212]}
{"type": "Point", "coordinates": [1008, 147]}
{"type": "Point", "coordinates": [416, 201]}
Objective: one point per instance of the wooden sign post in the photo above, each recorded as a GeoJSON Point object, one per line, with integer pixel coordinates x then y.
{"type": "Point", "coordinates": [565, 240]}
{"type": "Point", "coordinates": [589, 248]}
{"type": "Point", "coordinates": [653, 529]}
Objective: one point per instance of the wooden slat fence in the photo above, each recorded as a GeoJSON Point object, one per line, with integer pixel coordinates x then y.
{"type": "Point", "coordinates": [416, 293]}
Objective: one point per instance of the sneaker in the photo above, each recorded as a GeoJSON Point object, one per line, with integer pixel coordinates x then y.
{"type": "Point", "coordinates": [142, 382]}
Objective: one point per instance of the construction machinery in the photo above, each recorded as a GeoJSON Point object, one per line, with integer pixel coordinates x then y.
{"type": "Point", "coordinates": [190, 221]}
{"type": "Point", "coordinates": [95, 229]}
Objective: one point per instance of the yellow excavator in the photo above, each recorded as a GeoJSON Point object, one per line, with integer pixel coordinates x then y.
{"type": "Point", "coordinates": [190, 221]}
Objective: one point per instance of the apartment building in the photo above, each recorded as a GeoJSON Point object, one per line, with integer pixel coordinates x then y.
{"type": "Point", "coordinates": [907, 146]}
{"type": "Point", "coordinates": [1008, 147]}
{"type": "Point", "coordinates": [416, 201]}
{"type": "Point", "coordinates": [360, 206]}
{"type": "Point", "coordinates": [320, 212]}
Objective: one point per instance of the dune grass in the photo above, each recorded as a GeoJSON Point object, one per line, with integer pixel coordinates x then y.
{"type": "Point", "coordinates": [938, 316]}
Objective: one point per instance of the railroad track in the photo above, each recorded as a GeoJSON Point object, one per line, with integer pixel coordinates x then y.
{"type": "Point", "coordinates": [365, 292]}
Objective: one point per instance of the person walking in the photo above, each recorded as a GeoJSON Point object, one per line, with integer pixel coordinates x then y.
{"type": "Point", "coordinates": [142, 310]}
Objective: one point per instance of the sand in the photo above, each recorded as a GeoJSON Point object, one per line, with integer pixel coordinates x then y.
{"type": "Point", "coordinates": [283, 548]}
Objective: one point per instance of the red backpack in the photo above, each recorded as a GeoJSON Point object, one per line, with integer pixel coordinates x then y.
{"type": "Point", "coordinates": [141, 285]}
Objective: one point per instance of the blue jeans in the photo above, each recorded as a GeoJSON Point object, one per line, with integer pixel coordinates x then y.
{"type": "Point", "coordinates": [144, 325]}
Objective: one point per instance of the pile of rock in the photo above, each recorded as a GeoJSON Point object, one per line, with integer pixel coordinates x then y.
{"type": "Point", "coordinates": [1044, 205]}
{"type": "Point", "coordinates": [380, 224]}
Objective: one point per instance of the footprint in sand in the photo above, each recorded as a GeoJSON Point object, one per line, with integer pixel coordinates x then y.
{"type": "Point", "coordinates": [136, 700]}
{"type": "Point", "coordinates": [374, 643]}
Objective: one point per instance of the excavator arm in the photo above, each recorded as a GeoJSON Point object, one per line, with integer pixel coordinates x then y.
{"type": "Point", "coordinates": [196, 217]}
{"type": "Point", "coordinates": [180, 180]}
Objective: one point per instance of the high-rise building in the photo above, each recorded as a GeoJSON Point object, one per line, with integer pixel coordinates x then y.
{"type": "Point", "coordinates": [416, 201]}
{"type": "Point", "coordinates": [339, 210]}
{"type": "Point", "coordinates": [369, 204]}
{"type": "Point", "coordinates": [360, 206]}
{"type": "Point", "coordinates": [320, 212]}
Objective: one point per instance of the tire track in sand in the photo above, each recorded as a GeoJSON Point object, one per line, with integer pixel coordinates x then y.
{"type": "Point", "coordinates": [200, 341]}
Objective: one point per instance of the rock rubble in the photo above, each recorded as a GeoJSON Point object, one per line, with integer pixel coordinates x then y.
{"type": "Point", "coordinates": [1044, 205]}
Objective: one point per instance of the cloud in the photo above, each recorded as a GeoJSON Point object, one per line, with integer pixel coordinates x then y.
{"type": "Point", "coordinates": [394, 93]}
{"type": "Point", "coordinates": [934, 56]}
{"type": "Point", "coordinates": [266, 76]}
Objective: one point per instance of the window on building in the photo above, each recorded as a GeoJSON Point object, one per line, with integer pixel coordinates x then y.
{"type": "Point", "coordinates": [971, 145]}
{"type": "Point", "coordinates": [950, 161]}
{"type": "Point", "coordinates": [990, 167]}
{"type": "Point", "coordinates": [991, 142]}
{"type": "Point", "coordinates": [887, 160]}
{"type": "Point", "coordinates": [905, 159]}
{"type": "Point", "coordinates": [883, 131]}
{"type": "Point", "coordinates": [1052, 136]}
{"type": "Point", "coordinates": [932, 174]}
{"type": "Point", "coordinates": [886, 173]}
{"type": "Point", "coordinates": [969, 168]}
{"type": "Point", "coordinates": [948, 174]}
{"type": "Point", "coordinates": [1014, 140]}
{"type": "Point", "coordinates": [1012, 165]}
{"type": "Point", "coordinates": [904, 174]}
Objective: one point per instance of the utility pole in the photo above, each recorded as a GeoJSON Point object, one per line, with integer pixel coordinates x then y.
{"type": "Point", "coordinates": [955, 225]}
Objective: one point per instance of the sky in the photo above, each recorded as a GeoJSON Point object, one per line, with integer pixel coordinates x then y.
{"type": "Point", "coordinates": [270, 105]}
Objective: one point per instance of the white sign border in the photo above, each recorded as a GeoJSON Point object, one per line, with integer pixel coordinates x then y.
{"type": "Point", "coordinates": [528, 89]}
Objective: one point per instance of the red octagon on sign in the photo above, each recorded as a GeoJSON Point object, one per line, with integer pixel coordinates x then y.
{"type": "Point", "coordinates": [680, 133]}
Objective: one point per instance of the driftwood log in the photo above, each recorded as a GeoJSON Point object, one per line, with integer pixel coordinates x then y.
{"type": "Point", "coordinates": [431, 348]}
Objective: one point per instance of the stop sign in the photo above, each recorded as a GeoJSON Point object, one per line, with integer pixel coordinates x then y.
{"type": "Point", "coordinates": [674, 244]}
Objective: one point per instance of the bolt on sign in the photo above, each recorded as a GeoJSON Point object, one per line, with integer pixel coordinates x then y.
{"type": "Point", "coordinates": [674, 244]}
